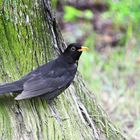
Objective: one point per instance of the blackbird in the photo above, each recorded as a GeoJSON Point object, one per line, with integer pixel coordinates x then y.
{"type": "Point", "coordinates": [50, 79]}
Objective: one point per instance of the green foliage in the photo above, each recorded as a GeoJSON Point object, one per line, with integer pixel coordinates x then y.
{"type": "Point", "coordinates": [124, 11]}
{"type": "Point", "coordinates": [54, 3]}
{"type": "Point", "coordinates": [71, 13]}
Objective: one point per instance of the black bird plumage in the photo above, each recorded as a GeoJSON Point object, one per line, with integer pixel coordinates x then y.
{"type": "Point", "coordinates": [50, 79]}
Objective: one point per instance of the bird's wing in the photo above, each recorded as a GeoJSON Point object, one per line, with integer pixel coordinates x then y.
{"type": "Point", "coordinates": [39, 85]}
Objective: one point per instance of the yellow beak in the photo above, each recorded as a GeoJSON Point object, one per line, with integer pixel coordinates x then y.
{"type": "Point", "coordinates": [82, 49]}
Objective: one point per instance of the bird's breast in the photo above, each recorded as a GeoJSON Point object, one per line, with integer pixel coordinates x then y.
{"type": "Point", "coordinates": [72, 69]}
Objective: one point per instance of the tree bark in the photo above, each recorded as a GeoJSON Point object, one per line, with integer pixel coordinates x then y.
{"type": "Point", "coordinates": [29, 37]}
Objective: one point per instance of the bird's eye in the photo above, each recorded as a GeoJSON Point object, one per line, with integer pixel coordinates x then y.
{"type": "Point", "coordinates": [73, 48]}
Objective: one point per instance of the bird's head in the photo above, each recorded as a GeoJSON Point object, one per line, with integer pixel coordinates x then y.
{"type": "Point", "coordinates": [73, 51]}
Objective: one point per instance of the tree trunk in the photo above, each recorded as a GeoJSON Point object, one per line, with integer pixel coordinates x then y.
{"type": "Point", "coordinates": [29, 36]}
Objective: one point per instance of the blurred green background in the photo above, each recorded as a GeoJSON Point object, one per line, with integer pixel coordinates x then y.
{"type": "Point", "coordinates": [110, 28]}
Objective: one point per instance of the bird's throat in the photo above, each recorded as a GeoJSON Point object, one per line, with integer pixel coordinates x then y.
{"type": "Point", "coordinates": [70, 60]}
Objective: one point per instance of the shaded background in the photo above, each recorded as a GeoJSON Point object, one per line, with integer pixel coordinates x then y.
{"type": "Point", "coordinates": [110, 28]}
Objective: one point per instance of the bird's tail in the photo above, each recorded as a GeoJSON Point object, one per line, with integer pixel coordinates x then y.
{"type": "Point", "coordinates": [9, 87]}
